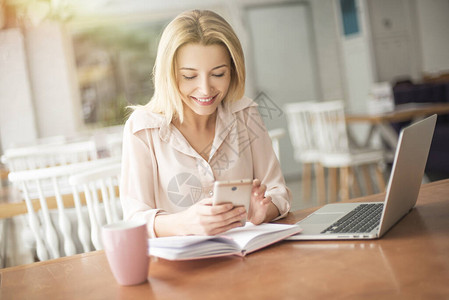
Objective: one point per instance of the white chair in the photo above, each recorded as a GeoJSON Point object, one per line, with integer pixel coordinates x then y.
{"type": "Point", "coordinates": [335, 152]}
{"type": "Point", "coordinates": [300, 127]}
{"type": "Point", "coordinates": [108, 141]}
{"type": "Point", "coordinates": [43, 156]}
{"type": "Point", "coordinates": [275, 136]}
{"type": "Point", "coordinates": [104, 180]}
{"type": "Point", "coordinates": [50, 186]}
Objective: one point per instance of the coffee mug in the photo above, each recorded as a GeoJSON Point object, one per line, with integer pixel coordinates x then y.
{"type": "Point", "coordinates": [126, 247]}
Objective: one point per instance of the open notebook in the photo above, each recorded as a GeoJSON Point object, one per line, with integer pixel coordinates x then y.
{"type": "Point", "coordinates": [371, 220]}
{"type": "Point", "coordinates": [238, 241]}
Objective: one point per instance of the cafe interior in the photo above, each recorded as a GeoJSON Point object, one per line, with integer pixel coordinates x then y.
{"type": "Point", "coordinates": [70, 68]}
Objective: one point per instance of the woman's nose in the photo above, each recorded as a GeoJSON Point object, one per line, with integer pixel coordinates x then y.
{"type": "Point", "coordinates": [205, 86]}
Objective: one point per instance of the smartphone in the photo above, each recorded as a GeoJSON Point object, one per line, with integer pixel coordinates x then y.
{"type": "Point", "coordinates": [237, 192]}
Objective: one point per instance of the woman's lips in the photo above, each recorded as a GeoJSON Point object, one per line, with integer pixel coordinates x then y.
{"type": "Point", "coordinates": [204, 100]}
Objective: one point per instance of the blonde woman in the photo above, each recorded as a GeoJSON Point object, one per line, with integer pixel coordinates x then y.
{"type": "Point", "coordinates": [198, 128]}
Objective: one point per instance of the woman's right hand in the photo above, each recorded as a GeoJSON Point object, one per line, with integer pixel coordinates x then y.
{"type": "Point", "coordinates": [203, 218]}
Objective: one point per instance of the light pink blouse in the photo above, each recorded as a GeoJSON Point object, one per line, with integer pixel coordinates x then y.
{"type": "Point", "coordinates": [162, 173]}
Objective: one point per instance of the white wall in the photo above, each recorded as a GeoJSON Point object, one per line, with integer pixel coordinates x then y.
{"type": "Point", "coordinates": [433, 22]}
{"type": "Point", "coordinates": [17, 119]}
{"type": "Point", "coordinates": [357, 59]}
{"type": "Point", "coordinates": [53, 80]}
{"type": "Point", "coordinates": [395, 39]}
{"type": "Point", "coordinates": [284, 64]}
{"type": "Point", "coordinates": [328, 50]}
{"type": "Point", "coordinates": [415, 40]}
{"type": "Point", "coordinates": [38, 87]}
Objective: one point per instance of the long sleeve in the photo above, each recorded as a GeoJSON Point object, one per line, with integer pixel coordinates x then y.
{"type": "Point", "coordinates": [265, 163]}
{"type": "Point", "coordinates": [138, 176]}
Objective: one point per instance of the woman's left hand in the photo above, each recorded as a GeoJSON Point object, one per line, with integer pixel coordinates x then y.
{"type": "Point", "coordinates": [259, 203]}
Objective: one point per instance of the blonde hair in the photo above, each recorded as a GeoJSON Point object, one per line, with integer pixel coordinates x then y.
{"type": "Point", "coordinates": [202, 27]}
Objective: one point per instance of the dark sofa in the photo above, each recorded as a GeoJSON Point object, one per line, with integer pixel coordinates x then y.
{"type": "Point", "coordinates": [432, 92]}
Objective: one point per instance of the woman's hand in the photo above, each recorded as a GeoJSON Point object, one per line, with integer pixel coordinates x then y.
{"type": "Point", "coordinates": [261, 208]}
{"type": "Point", "coordinates": [203, 218]}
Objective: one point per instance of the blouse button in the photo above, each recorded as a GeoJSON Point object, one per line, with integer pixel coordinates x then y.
{"type": "Point", "coordinates": [211, 193]}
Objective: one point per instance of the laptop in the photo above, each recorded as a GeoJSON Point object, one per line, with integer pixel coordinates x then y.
{"type": "Point", "coordinates": [371, 220]}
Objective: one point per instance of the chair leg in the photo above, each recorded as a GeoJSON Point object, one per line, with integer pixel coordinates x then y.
{"type": "Point", "coordinates": [306, 182]}
{"type": "Point", "coordinates": [332, 180]}
{"type": "Point", "coordinates": [367, 177]}
{"type": "Point", "coordinates": [344, 183]}
{"type": "Point", "coordinates": [380, 179]}
{"type": "Point", "coordinates": [320, 183]}
{"type": "Point", "coordinates": [353, 180]}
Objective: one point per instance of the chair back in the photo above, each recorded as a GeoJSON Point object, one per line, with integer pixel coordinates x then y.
{"type": "Point", "coordinates": [102, 181]}
{"type": "Point", "coordinates": [330, 127]}
{"type": "Point", "coordinates": [44, 156]}
{"type": "Point", "coordinates": [275, 136]}
{"type": "Point", "coordinates": [300, 128]}
{"type": "Point", "coordinates": [108, 141]}
{"type": "Point", "coordinates": [49, 188]}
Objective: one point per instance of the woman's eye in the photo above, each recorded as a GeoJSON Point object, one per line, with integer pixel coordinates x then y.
{"type": "Point", "coordinates": [218, 75]}
{"type": "Point", "coordinates": [188, 77]}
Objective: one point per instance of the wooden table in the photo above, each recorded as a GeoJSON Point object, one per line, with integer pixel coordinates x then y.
{"type": "Point", "coordinates": [410, 262]}
{"type": "Point", "coordinates": [381, 122]}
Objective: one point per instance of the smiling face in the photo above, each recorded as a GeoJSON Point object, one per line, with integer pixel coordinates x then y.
{"type": "Point", "coordinates": [203, 77]}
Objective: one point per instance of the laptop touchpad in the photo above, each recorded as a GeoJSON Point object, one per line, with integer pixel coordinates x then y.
{"type": "Point", "coordinates": [322, 218]}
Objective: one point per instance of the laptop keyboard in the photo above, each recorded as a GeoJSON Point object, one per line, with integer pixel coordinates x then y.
{"type": "Point", "coordinates": [363, 218]}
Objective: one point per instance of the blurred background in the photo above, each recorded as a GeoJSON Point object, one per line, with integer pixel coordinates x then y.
{"type": "Point", "coordinates": [70, 67]}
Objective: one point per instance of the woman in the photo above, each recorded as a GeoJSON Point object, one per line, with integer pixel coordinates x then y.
{"type": "Point", "coordinates": [198, 128]}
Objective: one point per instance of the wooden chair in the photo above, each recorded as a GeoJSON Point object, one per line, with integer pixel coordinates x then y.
{"type": "Point", "coordinates": [336, 153]}
{"type": "Point", "coordinates": [300, 127]}
{"type": "Point", "coordinates": [3, 175]}
{"type": "Point", "coordinates": [48, 191]}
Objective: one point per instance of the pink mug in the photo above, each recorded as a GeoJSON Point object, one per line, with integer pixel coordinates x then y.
{"type": "Point", "coordinates": [126, 247]}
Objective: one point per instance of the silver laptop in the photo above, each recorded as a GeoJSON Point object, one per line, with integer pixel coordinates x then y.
{"type": "Point", "coordinates": [371, 220]}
